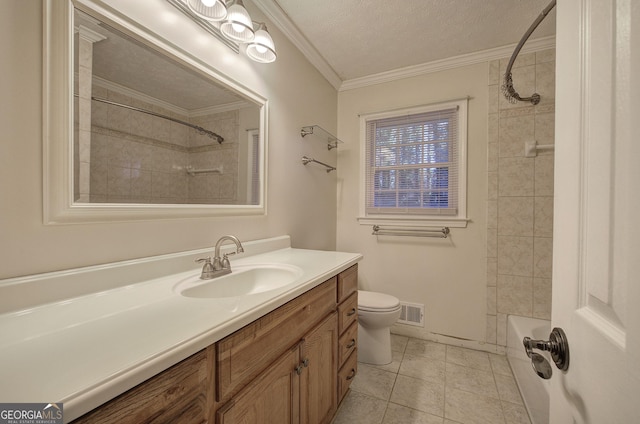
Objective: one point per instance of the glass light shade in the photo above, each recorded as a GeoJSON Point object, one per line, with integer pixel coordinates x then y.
{"type": "Point", "coordinates": [211, 10]}
{"type": "Point", "coordinates": [237, 26]}
{"type": "Point", "coordinates": [262, 48]}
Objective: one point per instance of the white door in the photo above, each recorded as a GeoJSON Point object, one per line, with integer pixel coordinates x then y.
{"type": "Point", "coordinates": [596, 266]}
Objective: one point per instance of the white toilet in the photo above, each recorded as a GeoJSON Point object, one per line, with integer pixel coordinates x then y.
{"type": "Point", "coordinates": [377, 312]}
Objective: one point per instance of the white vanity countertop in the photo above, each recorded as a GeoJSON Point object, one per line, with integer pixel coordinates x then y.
{"type": "Point", "coordinates": [86, 350]}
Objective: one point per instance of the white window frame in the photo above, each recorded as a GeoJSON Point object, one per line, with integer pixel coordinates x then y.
{"type": "Point", "coordinates": [457, 220]}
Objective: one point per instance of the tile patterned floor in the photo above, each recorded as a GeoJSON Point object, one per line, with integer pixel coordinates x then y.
{"type": "Point", "coordinates": [429, 383]}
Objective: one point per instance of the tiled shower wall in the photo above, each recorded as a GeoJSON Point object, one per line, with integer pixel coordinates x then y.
{"type": "Point", "coordinates": [520, 194]}
{"type": "Point", "coordinates": [140, 158]}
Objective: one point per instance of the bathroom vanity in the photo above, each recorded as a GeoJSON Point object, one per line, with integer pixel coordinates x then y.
{"type": "Point", "coordinates": [281, 355]}
{"type": "Point", "coordinates": [281, 368]}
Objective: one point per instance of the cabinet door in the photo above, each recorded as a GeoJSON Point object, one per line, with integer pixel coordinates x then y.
{"type": "Point", "coordinates": [243, 355]}
{"type": "Point", "coordinates": [318, 383]}
{"type": "Point", "coordinates": [273, 397]}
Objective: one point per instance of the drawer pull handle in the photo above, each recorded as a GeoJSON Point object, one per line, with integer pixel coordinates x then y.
{"type": "Point", "coordinates": [351, 344]}
{"type": "Point", "coordinates": [353, 374]}
{"type": "Point", "coordinates": [351, 312]}
{"type": "Point", "coordinates": [305, 363]}
{"type": "Point", "coordinates": [298, 369]}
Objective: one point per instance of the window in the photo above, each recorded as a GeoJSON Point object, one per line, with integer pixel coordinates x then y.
{"type": "Point", "coordinates": [414, 163]}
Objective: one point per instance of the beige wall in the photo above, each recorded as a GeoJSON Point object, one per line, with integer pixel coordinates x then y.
{"type": "Point", "coordinates": [465, 292]}
{"type": "Point", "coordinates": [520, 195]}
{"type": "Point", "coordinates": [301, 202]}
{"type": "Point", "coordinates": [447, 276]}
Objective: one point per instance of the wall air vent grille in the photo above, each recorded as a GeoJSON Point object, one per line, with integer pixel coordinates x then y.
{"type": "Point", "coordinates": [411, 314]}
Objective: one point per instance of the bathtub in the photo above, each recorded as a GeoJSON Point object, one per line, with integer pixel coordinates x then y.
{"type": "Point", "coordinates": [534, 390]}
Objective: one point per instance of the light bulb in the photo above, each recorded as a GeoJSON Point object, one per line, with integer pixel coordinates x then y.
{"type": "Point", "coordinates": [238, 28]}
{"type": "Point", "coordinates": [211, 10]}
{"type": "Point", "coordinates": [237, 25]}
{"type": "Point", "coordinates": [262, 48]}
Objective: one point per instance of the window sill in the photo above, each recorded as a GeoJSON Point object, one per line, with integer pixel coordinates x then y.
{"type": "Point", "coordinates": [414, 222]}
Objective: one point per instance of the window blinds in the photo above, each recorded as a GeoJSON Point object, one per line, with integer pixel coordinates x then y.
{"type": "Point", "coordinates": [413, 164]}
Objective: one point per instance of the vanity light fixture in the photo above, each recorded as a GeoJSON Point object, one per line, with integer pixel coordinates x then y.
{"type": "Point", "coordinates": [211, 10]}
{"type": "Point", "coordinates": [262, 49]}
{"type": "Point", "coordinates": [236, 25]}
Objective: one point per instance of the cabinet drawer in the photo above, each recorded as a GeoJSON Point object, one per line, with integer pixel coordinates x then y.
{"type": "Point", "coordinates": [346, 374]}
{"type": "Point", "coordinates": [179, 394]}
{"type": "Point", "coordinates": [347, 313]}
{"type": "Point", "coordinates": [243, 355]}
{"type": "Point", "coordinates": [347, 282]}
{"type": "Point", "coordinates": [347, 343]}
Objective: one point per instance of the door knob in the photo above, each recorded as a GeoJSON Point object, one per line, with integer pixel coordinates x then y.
{"type": "Point", "coordinates": [557, 345]}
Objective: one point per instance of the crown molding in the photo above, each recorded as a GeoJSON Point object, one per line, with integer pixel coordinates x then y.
{"type": "Point", "coordinates": [449, 63]}
{"type": "Point", "coordinates": [275, 14]}
{"type": "Point", "coordinates": [89, 34]}
{"type": "Point", "coordinates": [212, 110]}
{"type": "Point", "coordinates": [134, 94]}
{"type": "Point", "coordinates": [208, 110]}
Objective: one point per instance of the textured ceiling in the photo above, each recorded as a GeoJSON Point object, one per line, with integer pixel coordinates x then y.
{"type": "Point", "coordinates": [359, 38]}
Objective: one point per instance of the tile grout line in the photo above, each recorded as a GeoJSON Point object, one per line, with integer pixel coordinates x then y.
{"type": "Point", "coordinates": [444, 389]}
{"type": "Point", "coordinates": [448, 356]}
{"type": "Point", "coordinates": [495, 382]}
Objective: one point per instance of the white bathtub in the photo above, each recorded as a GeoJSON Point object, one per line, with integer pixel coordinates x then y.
{"type": "Point", "coordinates": [534, 390]}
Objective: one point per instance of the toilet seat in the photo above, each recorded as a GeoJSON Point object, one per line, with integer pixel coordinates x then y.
{"type": "Point", "coordinates": [377, 302]}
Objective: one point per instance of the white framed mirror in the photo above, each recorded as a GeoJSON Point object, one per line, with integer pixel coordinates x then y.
{"type": "Point", "coordinates": [136, 128]}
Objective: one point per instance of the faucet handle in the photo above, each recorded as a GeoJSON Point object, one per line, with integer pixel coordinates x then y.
{"type": "Point", "coordinates": [225, 260]}
{"type": "Point", "coordinates": [207, 268]}
{"type": "Point", "coordinates": [206, 260]}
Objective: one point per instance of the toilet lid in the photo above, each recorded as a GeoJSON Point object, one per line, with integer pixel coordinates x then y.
{"type": "Point", "coordinates": [374, 301]}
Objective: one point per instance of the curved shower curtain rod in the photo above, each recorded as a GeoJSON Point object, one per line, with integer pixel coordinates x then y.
{"type": "Point", "coordinates": [507, 87]}
{"type": "Point", "coordinates": [198, 128]}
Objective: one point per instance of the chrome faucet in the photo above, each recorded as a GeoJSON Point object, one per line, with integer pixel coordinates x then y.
{"type": "Point", "coordinates": [220, 266]}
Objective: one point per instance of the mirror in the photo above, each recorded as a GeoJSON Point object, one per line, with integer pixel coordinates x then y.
{"type": "Point", "coordinates": [153, 132]}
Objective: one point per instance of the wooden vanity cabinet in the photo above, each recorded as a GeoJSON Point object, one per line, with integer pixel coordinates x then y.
{"type": "Point", "coordinates": [270, 398]}
{"type": "Point", "coordinates": [241, 356]}
{"type": "Point", "coordinates": [318, 395]}
{"type": "Point", "coordinates": [245, 363]}
{"type": "Point", "coordinates": [179, 394]}
{"type": "Point", "coordinates": [299, 387]}
{"type": "Point", "coordinates": [347, 297]}
{"type": "Point", "coordinates": [293, 365]}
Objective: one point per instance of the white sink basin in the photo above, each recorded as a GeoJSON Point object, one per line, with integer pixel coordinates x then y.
{"type": "Point", "coordinates": [244, 280]}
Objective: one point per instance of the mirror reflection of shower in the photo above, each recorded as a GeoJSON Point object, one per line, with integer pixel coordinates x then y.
{"type": "Point", "coordinates": [149, 129]}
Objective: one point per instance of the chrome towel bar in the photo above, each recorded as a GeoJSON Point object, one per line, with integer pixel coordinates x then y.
{"type": "Point", "coordinates": [411, 232]}
{"type": "Point", "coordinates": [192, 171]}
{"type": "Point", "coordinates": [306, 160]}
